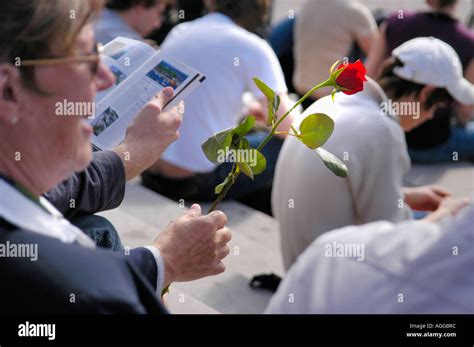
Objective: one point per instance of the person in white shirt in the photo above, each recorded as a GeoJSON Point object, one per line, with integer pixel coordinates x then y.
{"type": "Point", "coordinates": [309, 200]}
{"type": "Point", "coordinates": [134, 19]}
{"type": "Point", "coordinates": [223, 47]}
{"type": "Point", "coordinates": [413, 267]}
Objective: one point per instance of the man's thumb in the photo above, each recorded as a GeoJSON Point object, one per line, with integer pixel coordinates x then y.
{"type": "Point", "coordinates": [164, 96]}
{"type": "Point", "coordinates": [195, 210]}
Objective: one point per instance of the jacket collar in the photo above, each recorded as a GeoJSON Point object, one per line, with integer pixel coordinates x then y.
{"type": "Point", "coordinates": [18, 210]}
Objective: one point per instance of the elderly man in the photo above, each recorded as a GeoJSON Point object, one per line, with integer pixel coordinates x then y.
{"type": "Point", "coordinates": [68, 274]}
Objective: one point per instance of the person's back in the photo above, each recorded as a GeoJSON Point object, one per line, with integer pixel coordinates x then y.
{"type": "Point", "coordinates": [229, 56]}
{"type": "Point", "coordinates": [425, 24]}
{"type": "Point", "coordinates": [411, 267]}
{"type": "Point", "coordinates": [325, 32]}
{"type": "Point", "coordinates": [309, 200]}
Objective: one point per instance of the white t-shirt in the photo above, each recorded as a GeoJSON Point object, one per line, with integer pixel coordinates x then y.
{"type": "Point", "coordinates": [413, 267]}
{"type": "Point", "coordinates": [308, 199]}
{"type": "Point", "coordinates": [230, 57]}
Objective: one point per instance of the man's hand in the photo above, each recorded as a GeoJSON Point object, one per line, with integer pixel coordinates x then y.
{"type": "Point", "coordinates": [448, 207]}
{"type": "Point", "coordinates": [193, 246]}
{"type": "Point", "coordinates": [150, 133]}
{"type": "Point", "coordinates": [426, 198]}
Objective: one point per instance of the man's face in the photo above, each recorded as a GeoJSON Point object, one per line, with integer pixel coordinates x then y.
{"type": "Point", "coordinates": [63, 142]}
{"type": "Point", "coordinates": [149, 18]}
{"type": "Point", "coordinates": [410, 122]}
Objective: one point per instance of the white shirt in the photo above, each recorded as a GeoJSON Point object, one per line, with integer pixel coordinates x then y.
{"type": "Point", "coordinates": [413, 267]}
{"type": "Point", "coordinates": [26, 214]}
{"type": "Point", "coordinates": [229, 56]}
{"type": "Point", "coordinates": [309, 200]}
{"type": "Point", "coordinates": [111, 25]}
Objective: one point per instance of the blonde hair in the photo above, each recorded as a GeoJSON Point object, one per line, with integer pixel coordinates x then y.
{"type": "Point", "coordinates": [32, 29]}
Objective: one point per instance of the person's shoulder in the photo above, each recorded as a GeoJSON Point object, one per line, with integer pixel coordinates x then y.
{"type": "Point", "coordinates": [403, 16]}
{"type": "Point", "coordinates": [248, 39]}
{"type": "Point", "coordinates": [66, 277]}
{"type": "Point", "coordinates": [466, 32]}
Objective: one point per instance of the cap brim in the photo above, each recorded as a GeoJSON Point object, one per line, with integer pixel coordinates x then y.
{"type": "Point", "coordinates": [462, 91]}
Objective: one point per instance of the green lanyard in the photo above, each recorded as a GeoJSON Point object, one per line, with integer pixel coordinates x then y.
{"type": "Point", "coordinates": [25, 192]}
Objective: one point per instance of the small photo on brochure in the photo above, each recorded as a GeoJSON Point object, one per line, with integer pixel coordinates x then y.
{"type": "Point", "coordinates": [115, 50]}
{"type": "Point", "coordinates": [120, 76]}
{"type": "Point", "coordinates": [167, 75]}
{"type": "Point", "coordinates": [108, 117]}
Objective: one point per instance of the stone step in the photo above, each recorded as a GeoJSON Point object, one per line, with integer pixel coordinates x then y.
{"type": "Point", "coordinates": [255, 249]}
{"type": "Point", "coordinates": [458, 178]}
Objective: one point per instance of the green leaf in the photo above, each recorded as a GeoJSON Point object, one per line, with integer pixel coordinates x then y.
{"type": "Point", "coordinates": [316, 130]}
{"type": "Point", "coordinates": [243, 128]}
{"type": "Point", "coordinates": [255, 157]}
{"type": "Point", "coordinates": [244, 143]}
{"type": "Point", "coordinates": [260, 164]}
{"type": "Point", "coordinates": [273, 100]}
{"type": "Point", "coordinates": [245, 168]}
{"type": "Point", "coordinates": [273, 115]}
{"type": "Point", "coordinates": [332, 162]}
{"type": "Point", "coordinates": [266, 90]}
{"type": "Point", "coordinates": [220, 141]}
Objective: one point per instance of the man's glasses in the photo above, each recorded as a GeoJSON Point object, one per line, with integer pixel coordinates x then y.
{"type": "Point", "coordinates": [93, 59]}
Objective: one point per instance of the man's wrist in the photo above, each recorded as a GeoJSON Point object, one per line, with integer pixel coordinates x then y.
{"type": "Point", "coordinates": [130, 161]}
{"type": "Point", "coordinates": [168, 271]}
{"type": "Point", "coordinates": [160, 268]}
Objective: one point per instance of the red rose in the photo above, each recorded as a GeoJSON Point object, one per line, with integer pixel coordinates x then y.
{"type": "Point", "coordinates": [351, 80]}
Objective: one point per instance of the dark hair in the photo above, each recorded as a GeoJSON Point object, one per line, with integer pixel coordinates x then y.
{"type": "Point", "coordinates": [446, 3]}
{"type": "Point", "coordinates": [124, 5]}
{"type": "Point", "coordinates": [396, 87]}
{"type": "Point", "coordinates": [250, 14]}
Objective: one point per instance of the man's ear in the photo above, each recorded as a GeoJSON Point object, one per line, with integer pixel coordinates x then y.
{"type": "Point", "coordinates": [10, 82]}
{"type": "Point", "coordinates": [424, 94]}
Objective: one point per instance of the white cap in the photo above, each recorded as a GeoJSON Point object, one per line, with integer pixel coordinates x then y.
{"type": "Point", "coordinates": [430, 61]}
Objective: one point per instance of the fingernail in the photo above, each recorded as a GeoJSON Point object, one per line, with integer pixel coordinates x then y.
{"type": "Point", "coordinates": [168, 92]}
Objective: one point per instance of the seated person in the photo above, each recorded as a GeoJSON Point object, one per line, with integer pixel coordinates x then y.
{"type": "Point", "coordinates": [326, 31]}
{"type": "Point", "coordinates": [101, 186]}
{"type": "Point", "coordinates": [410, 267]}
{"type": "Point", "coordinates": [309, 200]}
{"type": "Point", "coordinates": [51, 148]}
{"type": "Point", "coordinates": [449, 136]}
{"type": "Point", "coordinates": [134, 19]}
{"type": "Point", "coordinates": [222, 46]}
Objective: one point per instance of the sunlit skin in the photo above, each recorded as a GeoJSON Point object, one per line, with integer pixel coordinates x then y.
{"type": "Point", "coordinates": [410, 122]}
{"type": "Point", "coordinates": [51, 147]}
